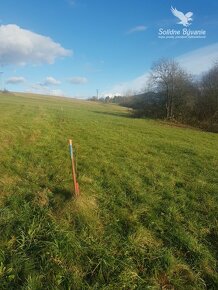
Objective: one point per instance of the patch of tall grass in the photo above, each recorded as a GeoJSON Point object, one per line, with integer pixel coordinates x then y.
{"type": "Point", "coordinates": [148, 210]}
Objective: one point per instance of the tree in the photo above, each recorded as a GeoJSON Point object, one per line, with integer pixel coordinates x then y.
{"type": "Point", "coordinates": [208, 104]}
{"type": "Point", "coordinates": [170, 79]}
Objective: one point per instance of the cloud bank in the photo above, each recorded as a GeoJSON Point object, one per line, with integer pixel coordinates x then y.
{"type": "Point", "coordinates": [78, 80]}
{"type": "Point", "coordinates": [50, 81]}
{"type": "Point", "coordinates": [15, 80]}
{"type": "Point", "coordinates": [39, 89]}
{"type": "Point", "coordinates": [133, 86]}
{"type": "Point", "coordinates": [195, 62]}
{"type": "Point", "coordinates": [199, 60]}
{"type": "Point", "coordinates": [19, 46]}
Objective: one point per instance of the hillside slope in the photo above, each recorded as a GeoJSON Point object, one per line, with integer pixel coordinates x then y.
{"type": "Point", "coordinates": [147, 214]}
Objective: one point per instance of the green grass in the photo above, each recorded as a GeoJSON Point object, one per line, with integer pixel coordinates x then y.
{"type": "Point", "coordinates": [147, 214]}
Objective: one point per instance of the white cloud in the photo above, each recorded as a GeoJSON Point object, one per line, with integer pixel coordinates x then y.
{"type": "Point", "coordinates": [40, 89]}
{"type": "Point", "coordinates": [15, 80]}
{"type": "Point", "coordinates": [57, 92]}
{"type": "Point", "coordinates": [78, 80]}
{"type": "Point", "coordinates": [199, 60]}
{"type": "Point", "coordinates": [20, 47]}
{"type": "Point", "coordinates": [196, 62]}
{"type": "Point", "coordinates": [139, 28]}
{"type": "Point", "coordinates": [111, 94]}
{"type": "Point", "coordinates": [133, 86]}
{"type": "Point", "coordinates": [50, 81]}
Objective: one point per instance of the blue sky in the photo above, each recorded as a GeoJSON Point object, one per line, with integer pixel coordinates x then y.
{"type": "Point", "coordinates": [73, 47]}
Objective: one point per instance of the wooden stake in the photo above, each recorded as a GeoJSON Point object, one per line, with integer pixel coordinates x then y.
{"type": "Point", "coordinates": [76, 185]}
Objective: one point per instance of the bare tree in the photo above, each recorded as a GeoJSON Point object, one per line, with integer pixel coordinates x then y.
{"type": "Point", "coordinates": [169, 78]}
{"type": "Point", "coordinates": [209, 93]}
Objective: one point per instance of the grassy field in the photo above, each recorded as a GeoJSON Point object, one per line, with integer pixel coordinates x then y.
{"type": "Point", "coordinates": [147, 214]}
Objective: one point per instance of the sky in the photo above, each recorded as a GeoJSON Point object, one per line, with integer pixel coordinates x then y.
{"type": "Point", "coordinates": [75, 48]}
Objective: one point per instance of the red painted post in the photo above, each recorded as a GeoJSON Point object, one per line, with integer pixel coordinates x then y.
{"type": "Point", "coordinates": [76, 185]}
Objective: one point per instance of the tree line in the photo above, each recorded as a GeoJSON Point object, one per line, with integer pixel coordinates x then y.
{"type": "Point", "coordinates": [175, 95]}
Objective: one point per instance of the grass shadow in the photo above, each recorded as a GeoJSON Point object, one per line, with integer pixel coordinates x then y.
{"type": "Point", "coordinates": [116, 114]}
{"type": "Point", "coordinates": [63, 193]}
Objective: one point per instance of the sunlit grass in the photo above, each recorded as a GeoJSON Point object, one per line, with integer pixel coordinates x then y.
{"type": "Point", "coordinates": [147, 215]}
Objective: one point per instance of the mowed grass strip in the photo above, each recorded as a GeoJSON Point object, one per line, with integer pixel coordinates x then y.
{"type": "Point", "coordinates": [147, 214]}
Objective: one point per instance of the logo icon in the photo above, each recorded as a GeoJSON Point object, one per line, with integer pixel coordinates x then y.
{"type": "Point", "coordinates": [185, 19]}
